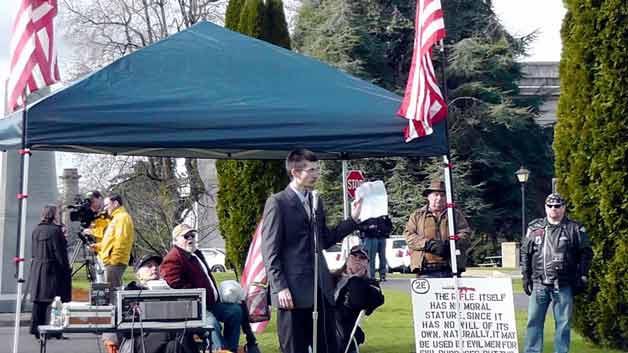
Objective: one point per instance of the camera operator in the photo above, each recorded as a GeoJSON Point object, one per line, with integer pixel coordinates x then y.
{"type": "Point", "coordinates": [96, 220]}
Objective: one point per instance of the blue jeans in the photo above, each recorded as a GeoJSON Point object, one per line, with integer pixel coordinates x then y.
{"type": "Point", "coordinates": [562, 304]}
{"type": "Point", "coordinates": [374, 246]}
{"type": "Point", "coordinates": [231, 315]}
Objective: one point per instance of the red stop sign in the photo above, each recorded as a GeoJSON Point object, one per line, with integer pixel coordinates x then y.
{"type": "Point", "coordinates": [355, 178]}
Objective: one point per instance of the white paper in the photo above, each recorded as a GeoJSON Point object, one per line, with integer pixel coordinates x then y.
{"type": "Point", "coordinates": [374, 199]}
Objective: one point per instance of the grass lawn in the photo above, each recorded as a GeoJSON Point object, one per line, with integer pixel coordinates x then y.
{"type": "Point", "coordinates": [390, 329]}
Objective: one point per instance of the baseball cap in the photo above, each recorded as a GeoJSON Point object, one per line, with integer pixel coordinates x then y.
{"type": "Point", "coordinates": [358, 249]}
{"type": "Point", "coordinates": [182, 229]}
{"type": "Point", "coordinates": [144, 259]}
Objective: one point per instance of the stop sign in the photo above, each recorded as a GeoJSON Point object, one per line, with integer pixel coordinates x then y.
{"type": "Point", "coordinates": [355, 178]}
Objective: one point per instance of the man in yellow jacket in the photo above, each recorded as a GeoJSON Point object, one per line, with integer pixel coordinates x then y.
{"type": "Point", "coordinates": [115, 248]}
{"type": "Point", "coordinates": [114, 251]}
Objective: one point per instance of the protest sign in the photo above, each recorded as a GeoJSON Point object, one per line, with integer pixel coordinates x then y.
{"type": "Point", "coordinates": [477, 317]}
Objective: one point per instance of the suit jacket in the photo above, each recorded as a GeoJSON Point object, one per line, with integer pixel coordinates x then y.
{"type": "Point", "coordinates": [288, 248]}
{"type": "Point", "coordinates": [180, 270]}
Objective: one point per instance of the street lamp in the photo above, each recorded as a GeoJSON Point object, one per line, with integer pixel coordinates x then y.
{"type": "Point", "coordinates": [522, 175]}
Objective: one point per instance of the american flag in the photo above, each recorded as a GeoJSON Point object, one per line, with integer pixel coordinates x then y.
{"type": "Point", "coordinates": [33, 54]}
{"type": "Point", "coordinates": [423, 103]}
{"type": "Point", "coordinates": [254, 270]}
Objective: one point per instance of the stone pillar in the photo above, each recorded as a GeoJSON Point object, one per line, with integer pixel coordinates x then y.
{"type": "Point", "coordinates": [42, 191]}
{"type": "Point", "coordinates": [510, 254]}
{"type": "Point", "coordinates": [207, 217]}
{"type": "Point", "coordinates": [70, 191]}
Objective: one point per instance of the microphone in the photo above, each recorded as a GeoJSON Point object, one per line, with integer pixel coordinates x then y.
{"type": "Point", "coordinates": [314, 201]}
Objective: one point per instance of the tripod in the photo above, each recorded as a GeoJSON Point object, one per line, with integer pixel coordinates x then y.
{"type": "Point", "coordinates": [88, 260]}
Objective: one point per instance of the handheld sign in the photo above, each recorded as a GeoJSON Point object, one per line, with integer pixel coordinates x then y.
{"type": "Point", "coordinates": [478, 317]}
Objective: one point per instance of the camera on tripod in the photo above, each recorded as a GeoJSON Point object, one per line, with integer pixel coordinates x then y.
{"type": "Point", "coordinates": [82, 212]}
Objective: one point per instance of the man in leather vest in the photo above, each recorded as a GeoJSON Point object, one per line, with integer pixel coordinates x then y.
{"type": "Point", "coordinates": [555, 259]}
{"type": "Point", "coordinates": [427, 235]}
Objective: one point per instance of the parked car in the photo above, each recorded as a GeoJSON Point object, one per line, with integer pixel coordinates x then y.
{"type": "Point", "coordinates": [397, 255]}
{"type": "Point", "coordinates": [215, 258]}
{"type": "Point", "coordinates": [333, 257]}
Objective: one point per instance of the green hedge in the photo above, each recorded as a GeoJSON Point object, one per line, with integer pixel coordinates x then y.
{"type": "Point", "coordinates": [591, 147]}
{"type": "Point", "coordinates": [243, 187]}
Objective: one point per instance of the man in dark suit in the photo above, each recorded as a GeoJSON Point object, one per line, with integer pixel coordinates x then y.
{"type": "Point", "coordinates": [185, 267]}
{"type": "Point", "coordinates": [288, 252]}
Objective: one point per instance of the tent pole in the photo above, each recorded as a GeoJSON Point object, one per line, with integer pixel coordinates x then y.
{"type": "Point", "coordinates": [449, 195]}
{"type": "Point", "coordinates": [345, 248]}
{"type": "Point", "coordinates": [21, 229]}
{"type": "Point", "coordinates": [345, 196]}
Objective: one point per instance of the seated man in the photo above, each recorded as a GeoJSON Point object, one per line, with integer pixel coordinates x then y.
{"type": "Point", "coordinates": [147, 275]}
{"type": "Point", "coordinates": [185, 267]}
{"type": "Point", "coordinates": [355, 291]}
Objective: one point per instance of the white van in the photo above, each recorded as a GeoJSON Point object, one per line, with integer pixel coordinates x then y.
{"type": "Point", "coordinates": [397, 254]}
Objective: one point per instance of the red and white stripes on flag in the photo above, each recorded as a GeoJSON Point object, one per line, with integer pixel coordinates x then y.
{"type": "Point", "coordinates": [254, 270]}
{"type": "Point", "coordinates": [423, 103]}
{"type": "Point", "coordinates": [33, 55]}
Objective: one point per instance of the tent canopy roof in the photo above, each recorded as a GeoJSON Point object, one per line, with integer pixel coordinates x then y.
{"type": "Point", "coordinates": [208, 92]}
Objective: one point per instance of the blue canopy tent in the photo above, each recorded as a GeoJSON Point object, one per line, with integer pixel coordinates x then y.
{"type": "Point", "coordinates": [208, 92]}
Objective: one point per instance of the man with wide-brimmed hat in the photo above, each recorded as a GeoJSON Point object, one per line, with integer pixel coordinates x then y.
{"type": "Point", "coordinates": [427, 235]}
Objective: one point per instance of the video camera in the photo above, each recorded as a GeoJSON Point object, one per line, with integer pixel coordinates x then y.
{"type": "Point", "coordinates": [81, 212]}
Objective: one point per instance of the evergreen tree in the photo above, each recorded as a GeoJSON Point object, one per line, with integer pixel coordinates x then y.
{"type": "Point", "coordinates": [252, 19]}
{"type": "Point", "coordinates": [491, 130]}
{"type": "Point", "coordinates": [591, 157]}
{"type": "Point", "coordinates": [275, 27]}
{"type": "Point", "coordinates": [244, 186]}
{"type": "Point", "coordinates": [232, 15]}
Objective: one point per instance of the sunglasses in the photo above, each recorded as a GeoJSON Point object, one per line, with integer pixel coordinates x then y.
{"type": "Point", "coordinates": [360, 256]}
{"type": "Point", "coordinates": [188, 236]}
{"type": "Point", "coordinates": [554, 206]}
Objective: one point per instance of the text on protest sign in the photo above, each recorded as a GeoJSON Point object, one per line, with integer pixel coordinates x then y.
{"type": "Point", "coordinates": [478, 317]}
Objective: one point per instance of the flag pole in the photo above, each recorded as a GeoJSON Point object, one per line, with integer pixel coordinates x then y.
{"type": "Point", "coordinates": [449, 196]}
{"type": "Point", "coordinates": [21, 227]}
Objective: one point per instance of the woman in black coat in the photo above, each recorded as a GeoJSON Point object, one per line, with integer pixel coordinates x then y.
{"type": "Point", "coordinates": [50, 274]}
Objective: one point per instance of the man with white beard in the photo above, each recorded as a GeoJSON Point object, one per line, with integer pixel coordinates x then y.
{"type": "Point", "coordinates": [185, 267]}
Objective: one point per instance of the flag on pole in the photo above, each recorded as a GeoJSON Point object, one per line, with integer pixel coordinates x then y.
{"type": "Point", "coordinates": [423, 103]}
{"type": "Point", "coordinates": [33, 53]}
{"type": "Point", "coordinates": [254, 271]}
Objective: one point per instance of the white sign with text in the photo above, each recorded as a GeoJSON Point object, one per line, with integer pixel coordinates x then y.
{"type": "Point", "coordinates": [478, 317]}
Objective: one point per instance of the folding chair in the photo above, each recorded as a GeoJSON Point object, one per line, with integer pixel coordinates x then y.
{"type": "Point", "coordinates": [355, 327]}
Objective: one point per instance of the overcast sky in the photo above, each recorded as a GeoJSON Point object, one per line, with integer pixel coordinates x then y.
{"type": "Point", "coordinates": [519, 17]}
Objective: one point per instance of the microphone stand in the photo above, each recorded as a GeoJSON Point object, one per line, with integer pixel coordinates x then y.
{"type": "Point", "coordinates": [314, 225]}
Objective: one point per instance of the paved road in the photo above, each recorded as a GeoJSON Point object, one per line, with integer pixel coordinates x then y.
{"type": "Point", "coordinates": [403, 284]}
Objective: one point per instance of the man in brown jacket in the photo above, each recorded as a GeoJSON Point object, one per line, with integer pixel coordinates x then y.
{"type": "Point", "coordinates": [427, 235]}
